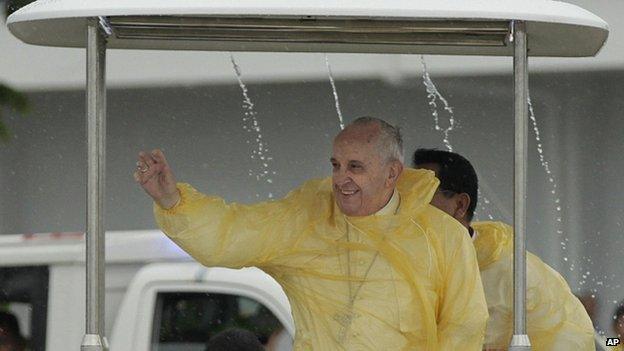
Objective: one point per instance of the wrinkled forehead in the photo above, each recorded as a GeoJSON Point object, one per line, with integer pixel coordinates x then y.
{"type": "Point", "coordinates": [361, 136]}
{"type": "Point", "coordinates": [355, 149]}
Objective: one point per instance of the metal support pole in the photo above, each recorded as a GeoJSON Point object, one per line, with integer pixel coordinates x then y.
{"type": "Point", "coordinates": [520, 340]}
{"type": "Point", "coordinates": [94, 339]}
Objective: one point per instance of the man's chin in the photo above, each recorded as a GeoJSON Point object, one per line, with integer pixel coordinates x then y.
{"type": "Point", "coordinates": [347, 210]}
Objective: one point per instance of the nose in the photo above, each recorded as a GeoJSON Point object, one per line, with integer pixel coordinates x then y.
{"type": "Point", "coordinates": [344, 181]}
{"type": "Point", "coordinates": [341, 178]}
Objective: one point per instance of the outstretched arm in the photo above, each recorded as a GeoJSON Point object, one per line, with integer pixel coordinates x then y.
{"type": "Point", "coordinates": [210, 230]}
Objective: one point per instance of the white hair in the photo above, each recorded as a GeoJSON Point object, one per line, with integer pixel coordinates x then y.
{"type": "Point", "coordinates": [390, 140]}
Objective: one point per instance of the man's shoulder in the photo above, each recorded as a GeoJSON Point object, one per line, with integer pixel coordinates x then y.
{"type": "Point", "coordinates": [493, 243]}
{"type": "Point", "coordinates": [441, 227]}
{"type": "Point", "coordinates": [313, 198]}
{"type": "Point", "coordinates": [416, 188]}
{"type": "Point", "coordinates": [438, 219]}
{"type": "Point", "coordinates": [316, 187]}
{"type": "Point", "coordinates": [494, 246]}
{"type": "Point", "coordinates": [542, 276]}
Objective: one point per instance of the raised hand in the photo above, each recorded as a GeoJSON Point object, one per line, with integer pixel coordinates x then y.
{"type": "Point", "coordinates": [156, 178]}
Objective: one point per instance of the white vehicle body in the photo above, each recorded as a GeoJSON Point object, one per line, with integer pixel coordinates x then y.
{"type": "Point", "coordinates": [140, 267]}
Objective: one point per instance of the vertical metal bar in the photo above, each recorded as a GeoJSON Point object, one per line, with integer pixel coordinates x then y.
{"type": "Point", "coordinates": [520, 340]}
{"type": "Point", "coordinates": [96, 160]}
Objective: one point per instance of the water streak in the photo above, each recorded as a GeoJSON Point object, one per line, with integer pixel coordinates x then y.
{"type": "Point", "coordinates": [551, 178]}
{"type": "Point", "coordinates": [482, 204]}
{"type": "Point", "coordinates": [434, 95]}
{"type": "Point", "coordinates": [589, 281]}
{"type": "Point", "coordinates": [260, 153]}
{"type": "Point", "coordinates": [335, 91]}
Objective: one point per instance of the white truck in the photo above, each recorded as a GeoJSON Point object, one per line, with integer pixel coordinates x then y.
{"type": "Point", "coordinates": [157, 298]}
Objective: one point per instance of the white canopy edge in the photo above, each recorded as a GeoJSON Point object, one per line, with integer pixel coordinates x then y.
{"type": "Point", "coordinates": [554, 28]}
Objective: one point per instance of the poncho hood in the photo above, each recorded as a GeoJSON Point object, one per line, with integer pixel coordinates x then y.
{"type": "Point", "coordinates": [494, 239]}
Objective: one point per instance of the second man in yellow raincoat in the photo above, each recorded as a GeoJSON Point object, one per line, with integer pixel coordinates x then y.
{"type": "Point", "coordinates": [556, 319]}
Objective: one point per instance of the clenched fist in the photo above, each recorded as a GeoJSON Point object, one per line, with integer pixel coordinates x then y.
{"type": "Point", "coordinates": [156, 178]}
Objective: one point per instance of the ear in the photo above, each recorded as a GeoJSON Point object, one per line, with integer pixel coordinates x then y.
{"type": "Point", "coordinates": [396, 168]}
{"type": "Point", "coordinates": [462, 202]}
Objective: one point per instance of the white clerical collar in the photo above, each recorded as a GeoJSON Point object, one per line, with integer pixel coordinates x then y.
{"type": "Point", "coordinates": [392, 206]}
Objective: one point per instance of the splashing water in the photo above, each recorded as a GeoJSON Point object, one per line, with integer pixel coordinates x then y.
{"type": "Point", "coordinates": [260, 154]}
{"type": "Point", "coordinates": [434, 95]}
{"type": "Point", "coordinates": [592, 282]}
{"type": "Point", "coordinates": [550, 176]}
{"type": "Point", "coordinates": [333, 85]}
{"type": "Point", "coordinates": [485, 209]}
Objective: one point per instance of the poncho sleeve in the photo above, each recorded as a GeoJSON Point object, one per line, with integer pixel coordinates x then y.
{"type": "Point", "coordinates": [463, 311]}
{"type": "Point", "coordinates": [233, 235]}
{"type": "Point", "coordinates": [556, 319]}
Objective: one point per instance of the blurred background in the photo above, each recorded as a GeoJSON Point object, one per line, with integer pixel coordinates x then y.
{"type": "Point", "coordinates": [191, 105]}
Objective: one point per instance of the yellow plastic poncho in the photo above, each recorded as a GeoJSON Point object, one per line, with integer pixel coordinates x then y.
{"type": "Point", "coordinates": [404, 281]}
{"type": "Point", "coordinates": [556, 319]}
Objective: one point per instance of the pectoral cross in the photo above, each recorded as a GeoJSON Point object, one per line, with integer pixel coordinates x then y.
{"type": "Point", "coordinates": [345, 319]}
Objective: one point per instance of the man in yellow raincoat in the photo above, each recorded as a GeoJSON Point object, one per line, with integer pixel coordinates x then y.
{"type": "Point", "coordinates": [366, 262]}
{"type": "Point", "coordinates": [556, 319]}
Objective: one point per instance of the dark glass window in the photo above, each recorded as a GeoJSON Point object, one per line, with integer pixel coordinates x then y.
{"type": "Point", "coordinates": [24, 299]}
{"type": "Point", "coordinates": [186, 321]}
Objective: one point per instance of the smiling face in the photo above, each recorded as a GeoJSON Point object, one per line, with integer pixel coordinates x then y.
{"type": "Point", "coordinates": [363, 179]}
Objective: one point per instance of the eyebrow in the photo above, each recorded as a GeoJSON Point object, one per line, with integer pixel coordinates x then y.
{"type": "Point", "coordinates": [358, 162]}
